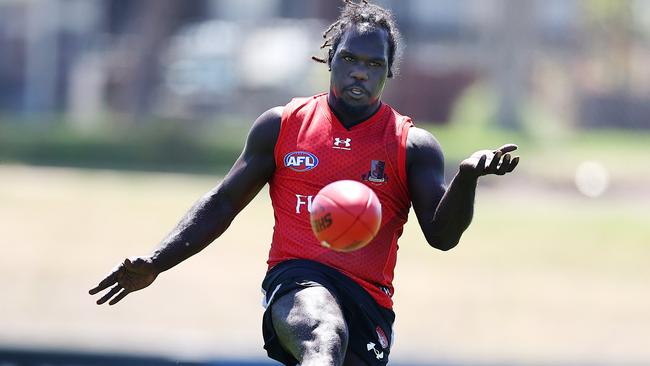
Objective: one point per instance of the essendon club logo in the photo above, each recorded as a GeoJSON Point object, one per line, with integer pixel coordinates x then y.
{"type": "Point", "coordinates": [300, 161]}
{"type": "Point", "coordinates": [381, 336]}
{"type": "Point", "coordinates": [376, 173]}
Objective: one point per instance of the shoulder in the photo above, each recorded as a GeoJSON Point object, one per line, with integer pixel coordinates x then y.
{"type": "Point", "coordinates": [422, 146]}
{"type": "Point", "coordinates": [400, 119]}
{"type": "Point", "coordinates": [421, 138]}
{"type": "Point", "coordinates": [304, 104]}
{"type": "Point", "coordinates": [265, 130]}
{"type": "Point", "coordinates": [271, 116]}
{"type": "Point", "coordinates": [269, 121]}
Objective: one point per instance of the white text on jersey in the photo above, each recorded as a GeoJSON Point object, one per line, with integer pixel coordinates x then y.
{"type": "Point", "coordinates": [303, 201]}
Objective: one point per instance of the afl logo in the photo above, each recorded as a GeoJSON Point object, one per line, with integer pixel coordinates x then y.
{"type": "Point", "coordinates": [300, 161]}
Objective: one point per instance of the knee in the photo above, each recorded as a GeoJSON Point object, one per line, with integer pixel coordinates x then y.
{"type": "Point", "coordinates": [329, 334]}
{"type": "Point", "coordinates": [310, 325]}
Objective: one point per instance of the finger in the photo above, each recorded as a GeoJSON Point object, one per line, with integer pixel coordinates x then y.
{"type": "Point", "coordinates": [480, 165]}
{"type": "Point", "coordinates": [110, 294]}
{"type": "Point", "coordinates": [513, 164]}
{"type": "Point", "coordinates": [110, 280]}
{"type": "Point", "coordinates": [505, 164]}
{"type": "Point", "coordinates": [495, 162]}
{"type": "Point", "coordinates": [507, 148]}
{"type": "Point", "coordinates": [119, 297]}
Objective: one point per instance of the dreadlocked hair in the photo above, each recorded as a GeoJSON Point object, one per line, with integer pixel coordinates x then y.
{"type": "Point", "coordinates": [355, 14]}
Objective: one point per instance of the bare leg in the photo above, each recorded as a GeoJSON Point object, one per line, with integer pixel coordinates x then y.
{"type": "Point", "coordinates": [310, 325]}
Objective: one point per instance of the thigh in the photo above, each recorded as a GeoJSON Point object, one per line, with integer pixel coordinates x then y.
{"type": "Point", "coordinates": [310, 325]}
{"type": "Point", "coordinates": [368, 326]}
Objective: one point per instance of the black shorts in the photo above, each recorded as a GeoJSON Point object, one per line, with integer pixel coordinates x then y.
{"type": "Point", "coordinates": [370, 326]}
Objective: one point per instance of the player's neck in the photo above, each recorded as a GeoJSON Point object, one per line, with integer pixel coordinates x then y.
{"type": "Point", "coordinates": [351, 116]}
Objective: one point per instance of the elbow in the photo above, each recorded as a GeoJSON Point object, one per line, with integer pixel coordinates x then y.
{"type": "Point", "coordinates": [441, 243]}
{"type": "Point", "coordinates": [444, 246]}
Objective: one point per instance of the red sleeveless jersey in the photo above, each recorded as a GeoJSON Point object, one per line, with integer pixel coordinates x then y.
{"type": "Point", "coordinates": [315, 149]}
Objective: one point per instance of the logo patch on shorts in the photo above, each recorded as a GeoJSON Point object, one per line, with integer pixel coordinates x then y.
{"type": "Point", "coordinates": [300, 161]}
{"type": "Point", "coordinates": [378, 353]}
{"type": "Point", "coordinates": [383, 340]}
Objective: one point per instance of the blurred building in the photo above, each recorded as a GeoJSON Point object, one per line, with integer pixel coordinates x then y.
{"type": "Point", "coordinates": [143, 59]}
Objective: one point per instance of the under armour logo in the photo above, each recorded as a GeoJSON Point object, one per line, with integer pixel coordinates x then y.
{"type": "Point", "coordinates": [379, 354]}
{"type": "Point", "coordinates": [346, 143]}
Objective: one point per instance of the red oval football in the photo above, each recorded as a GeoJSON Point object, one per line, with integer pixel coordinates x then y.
{"type": "Point", "coordinates": [346, 215]}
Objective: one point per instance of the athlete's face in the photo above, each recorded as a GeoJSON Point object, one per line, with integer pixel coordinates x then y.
{"type": "Point", "coordinates": [360, 67]}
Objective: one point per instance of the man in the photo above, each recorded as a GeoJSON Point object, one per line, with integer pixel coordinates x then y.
{"type": "Point", "coordinates": [325, 307]}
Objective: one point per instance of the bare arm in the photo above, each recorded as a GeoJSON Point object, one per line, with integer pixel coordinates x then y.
{"type": "Point", "coordinates": [213, 213]}
{"type": "Point", "coordinates": [445, 212]}
{"type": "Point", "coordinates": [210, 216]}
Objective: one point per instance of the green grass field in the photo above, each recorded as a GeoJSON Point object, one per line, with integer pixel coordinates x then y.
{"type": "Point", "coordinates": [543, 275]}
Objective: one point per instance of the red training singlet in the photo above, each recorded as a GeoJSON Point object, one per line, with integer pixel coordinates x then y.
{"type": "Point", "coordinates": [315, 149]}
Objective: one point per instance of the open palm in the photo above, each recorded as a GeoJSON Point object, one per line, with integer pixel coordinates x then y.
{"type": "Point", "coordinates": [484, 162]}
{"type": "Point", "coordinates": [131, 275]}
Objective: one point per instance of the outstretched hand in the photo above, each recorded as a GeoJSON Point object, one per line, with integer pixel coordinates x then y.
{"type": "Point", "coordinates": [131, 275]}
{"type": "Point", "coordinates": [486, 162]}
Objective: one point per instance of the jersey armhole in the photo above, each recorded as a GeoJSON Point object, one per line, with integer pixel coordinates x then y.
{"type": "Point", "coordinates": [286, 115]}
{"type": "Point", "coordinates": [401, 154]}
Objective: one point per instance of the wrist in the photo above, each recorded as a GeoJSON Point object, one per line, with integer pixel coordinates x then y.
{"type": "Point", "coordinates": [157, 262]}
{"type": "Point", "coordinates": [466, 177]}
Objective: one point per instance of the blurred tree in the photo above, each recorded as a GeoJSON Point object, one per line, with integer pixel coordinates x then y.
{"type": "Point", "coordinates": [147, 30]}
{"type": "Point", "coordinates": [512, 59]}
{"type": "Point", "coordinates": [41, 57]}
{"type": "Point", "coordinates": [613, 87]}
{"type": "Point", "coordinates": [609, 36]}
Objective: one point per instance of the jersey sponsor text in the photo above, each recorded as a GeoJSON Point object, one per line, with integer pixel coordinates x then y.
{"type": "Point", "coordinates": [303, 201]}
